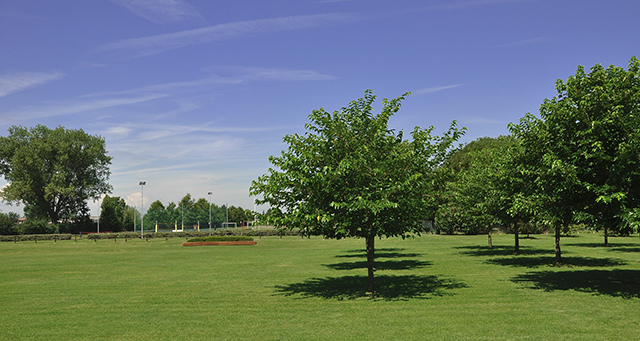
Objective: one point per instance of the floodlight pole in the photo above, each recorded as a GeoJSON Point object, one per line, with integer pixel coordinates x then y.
{"type": "Point", "coordinates": [227, 207]}
{"type": "Point", "coordinates": [99, 216]}
{"type": "Point", "coordinates": [210, 212]}
{"type": "Point", "coordinates": [142, 183]}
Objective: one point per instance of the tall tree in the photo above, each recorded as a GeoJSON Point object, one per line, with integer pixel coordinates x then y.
{"type": "Point", "coordinates": [350, 175]}
{"type": "Point", "coordinates": [53, 172]}
{"type": "Point", "coordinates": [113, 213]}
{"type": "Point", "coordinates": [557, 192]}
{"type": "Point", "coordinates": [591, 134]}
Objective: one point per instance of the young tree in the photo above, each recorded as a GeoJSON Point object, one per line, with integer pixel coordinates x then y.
{"type": "Point", "coordinates": [53, 171]}
{"type": "Point", "coordinates": [593, 127]}
{"type": "Point", "coordinates": [556, 193]}
{"type": "Point", "coordinates": [350, 175]}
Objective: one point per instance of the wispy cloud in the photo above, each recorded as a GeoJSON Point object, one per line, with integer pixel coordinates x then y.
{"type": "Point", "coordinates": [425, 91]}
{"type": "Point", "coordinates": [68, 108]}
{"type": "Point", "coordinates": [144, 46]}
{"type": "Point", "coordinates": [181, 93]}
{"type": "Point", "coordinates": [241, 74]}
{"type": "Point", "coordinates": [160, 11]}
{"type": "Point", "coordinates": [17, 81]}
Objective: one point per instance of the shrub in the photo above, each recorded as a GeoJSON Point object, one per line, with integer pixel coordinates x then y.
{"type": "Point", "coordinates": [7, 225]}
{"type": "Point", "coordinates": [36, 226]}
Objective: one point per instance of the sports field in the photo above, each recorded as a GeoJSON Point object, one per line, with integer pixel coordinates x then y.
{"type": "Point", "coordinates": [431, 288]}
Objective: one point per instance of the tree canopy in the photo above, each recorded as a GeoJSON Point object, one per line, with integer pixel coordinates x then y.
{"type": "Point", "coordinates": [53, 172]}
{"type": "Point", "coordinates": [350, 175]}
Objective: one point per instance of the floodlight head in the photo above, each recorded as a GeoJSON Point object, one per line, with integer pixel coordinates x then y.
{"type": "Point", "coordinates": [210, 193]}
{"type": "Point", "coordinates": [142, 183]}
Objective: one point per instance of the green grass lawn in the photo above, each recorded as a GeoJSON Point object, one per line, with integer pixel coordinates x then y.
{"type": "Point", "coordinates": [431, 288]}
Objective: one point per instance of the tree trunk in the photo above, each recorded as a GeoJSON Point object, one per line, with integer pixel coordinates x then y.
{"type": "Point", "coordinates": [371, 265]}
{"type": "Point", "coordinates": [516, 232]}
{"type": "Point", "coordinates": [558, 251]}
{"type": "Point", "coordinates": [490, 243]}
{"type": "Point", "coordinates": [606, 235]}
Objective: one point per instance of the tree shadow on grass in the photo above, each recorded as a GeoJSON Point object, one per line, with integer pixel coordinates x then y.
{"type": "Point", "coordinates": [390, 288]}
{"type": "Point", "coordinates": [405, 264]}
{"type": "Point", "coordinates": [380, 253]}
{"type": "Point", "coordinates": [617, 283]}
{"type": "Point", "coordinates": [500, 250]}
{"type": "Point", "coordinates": [618, 247]}
{"type": "Point", "coordinates": [626, 249]}
{"type": "Point", "coordinates": [533, 262]}
{"type": "Point", "coordinates": [611, 245]}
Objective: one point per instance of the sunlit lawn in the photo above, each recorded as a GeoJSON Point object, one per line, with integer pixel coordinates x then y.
{"type": "Point", "coordinates": [430, 288]}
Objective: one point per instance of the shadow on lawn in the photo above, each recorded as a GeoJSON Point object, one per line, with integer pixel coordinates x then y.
{"type": "Point", "coordinates": [405, 264]}
{"type": "Point", "coordinates": [500, 250]}
{"type": "Point", "coordinates": [601, 245]}
{"type": "Point", "coordinates": [618, 247]}
{"type": "Point", "coordinates": [380, 253]}
{"type": "Point", "coordinates": [532, 262]}
{"type": "Point", "coordinates": [617, 283]}
{"type": "Point", "coordinates": [390, 288]}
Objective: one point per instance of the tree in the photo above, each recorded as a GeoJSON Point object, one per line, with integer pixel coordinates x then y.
{"type": "Point", "coordinates": [156, 206]}
{"type": "Point", "coordinates": [556, 193]}
{"type": "Point", "coordinates": [350, 175]}
{"type": "Point", "coordinates": [593, 126]}
{"type": "Point", "coordinates": [113, 213]}
{"type": "Point", "coordinates": [53, 172]}
{"type": "Point", "coordinates": [7, 224]}
{"type": "Point", "coordinates": [584, 150]}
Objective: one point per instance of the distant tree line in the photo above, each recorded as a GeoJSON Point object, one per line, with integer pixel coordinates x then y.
{"type": "Point", "coordinates": [190, 212]}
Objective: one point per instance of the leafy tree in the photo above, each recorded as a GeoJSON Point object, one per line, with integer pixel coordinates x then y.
{"type": "Point", "coordinates": [53, 171]}
{"type": "Point", "coordinates": [350, 175]}
{"type": "Point", "coordinates": [593, 127]}
{"type": "Point", "coordinates": [557, 192]}
{"type": "Point", "coordinates": [156, 206]}
{"type": "Point", "coordinates": [7, 224]}
{"type": "Point", "coordinates": [467, 205]}
{"type": "Point", "coordinates": [112, 213]}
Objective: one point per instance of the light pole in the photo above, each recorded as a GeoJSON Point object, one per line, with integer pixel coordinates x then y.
{"type": "Point", "coordinates": [210, 212]}
{"type": "Point", "coordinates": [142, 183]}
{"type": "Point", "coordinates": [227, 207]}
{"type": "Point", "coordinates": [99, 216]}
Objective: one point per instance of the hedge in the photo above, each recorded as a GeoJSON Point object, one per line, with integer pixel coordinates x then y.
{"type": "Point", "coordinates": [220, 239]}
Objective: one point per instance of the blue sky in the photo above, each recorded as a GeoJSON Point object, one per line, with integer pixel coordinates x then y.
{"type": "Point", "coordinates": [193, 96]}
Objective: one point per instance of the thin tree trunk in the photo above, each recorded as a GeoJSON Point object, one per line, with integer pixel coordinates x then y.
{"type": "Point", "coordinates": [490, 243]}
{"type": "Point", "coordinates": [606, 235]}
{"type": "Point", "coordinates": [371, 265]}
{"type": "Point", "coordinates": [516, 232]}
{"type": "Point", "coordinates": [558, 251]}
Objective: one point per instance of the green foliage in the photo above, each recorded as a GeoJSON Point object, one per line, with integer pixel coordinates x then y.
{"type": "Point", "coordinates": [220, 239]}
{"type": "Point", "coordinates": [8, 226]}
{"type": "Point", "coordinates": [113, 214]}
{"type": "Point", "coordinates": [191, 212]}
{"type": "Point", "coordinates": [583, 153]}
{"type": "Point", "coordinates": [593, 125]}
{"type": "Point", "coordinates": [37, 226]}
{"type": "Point", "coordinates": [350, 175]}
{"type": "Point", "coordinates": [53, 171]}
